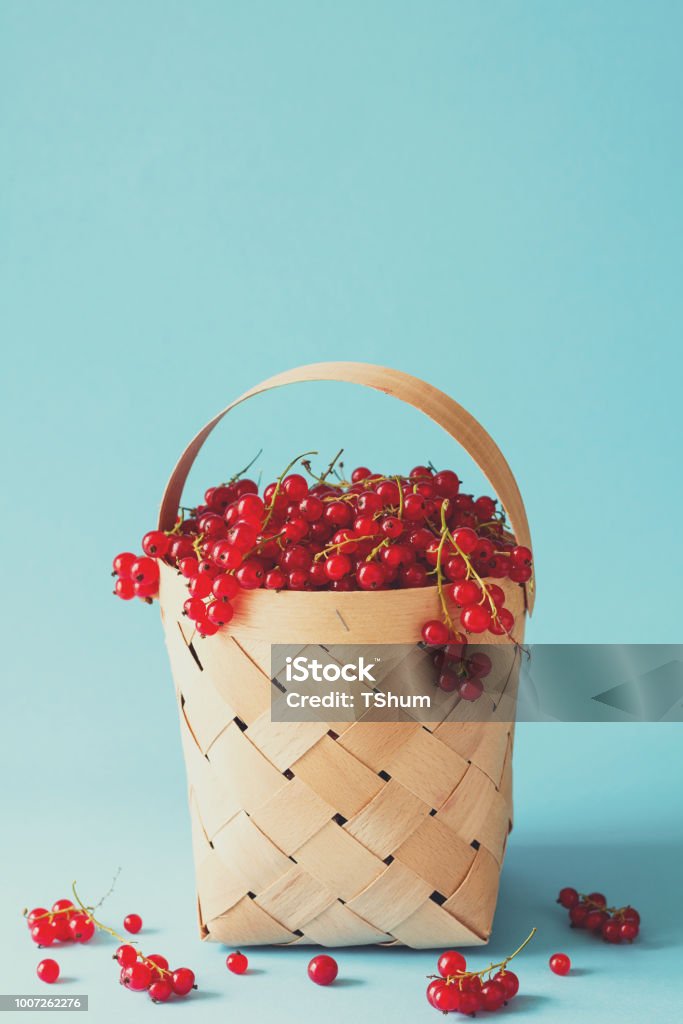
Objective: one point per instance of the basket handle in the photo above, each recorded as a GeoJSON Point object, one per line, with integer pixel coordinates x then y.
{"type": "Point", "coordinates": [435, 404]}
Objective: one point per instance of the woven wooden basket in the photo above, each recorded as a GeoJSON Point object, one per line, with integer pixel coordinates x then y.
{"type": "Point", "coordinates": [338, 833]}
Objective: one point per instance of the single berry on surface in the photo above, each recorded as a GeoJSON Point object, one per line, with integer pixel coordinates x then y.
{"type": "Point", "coordinates": [323, 969]}
{"type": "Point", "coordinates": [237, 963]}
{"type": "Point", "coordinates": [560, 963]}
{"type": "Point", "coordinates": [132, 923]}
{"type": "Point", "coordinates": [48, 971]}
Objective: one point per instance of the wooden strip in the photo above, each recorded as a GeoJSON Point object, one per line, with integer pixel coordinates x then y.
{"type": "Point", "coordinates": [375, 743]}
{"type": "Point", "coordinates": [337, 777]}
{"type": "Point", "coordinates": [207, 715]}
{"type": "Point", "coordinates": [431, 926]}
{"type": "Point", "coordinates": [236, 678]}
{"type": "Point", "coordinates": [477, 811]}
{"type": "Point", "coordinates": [283, 743]}
{"type": "Point", "coordinates": [249, 855]}
{"type": "Point", "coordinates": [338, 861]}
{"type": "Point", "coordinates": [396, 894]}
{"type": "Point", "coordinates": [339, 926]}
{"type": "Point", "coordinates": [247, 924]}
{"type": "Point", "coordinates": [252, 777]}
{"type": "Point", "coordinates": [474, 902]}
{"type": "Point", "coordinates": [217, 888]}
{"type": "Point", "coordinates": [427, 767]}
{"type": "Point", "coordinates": [436, 854]}
{"type": "Point", "coordinates": [292, 816]}
{"type": "Point", "coordinates": [388, 820]}
{"type": "Point", "coordinates": [295, 898]}
{"type": "Point", "coordinates": [485, 744]}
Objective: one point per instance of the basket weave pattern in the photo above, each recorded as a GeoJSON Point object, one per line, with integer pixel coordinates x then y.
{"type": "Point", "coordinates": [331, 833]}
{"type": "Point", "coordinates": [343, 833]}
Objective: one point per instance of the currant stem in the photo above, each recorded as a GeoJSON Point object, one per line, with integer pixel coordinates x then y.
{"type": "Point", "coordinates": [110, 931]}
{"type": "Point", "coordinates": [400, 496]}
{"type": "Point", "coordinates": [278, 485]}
{"type": "Point", "coordinates": [241, 473]}
{"type": "Point", "coordinates": [382, 544]}
{"type": "Point", "coordinates": [452, 979]}
{"type": "Point", "coordinates": [439, 573]}
{"type": "Point", "coordinates": [331, 465]}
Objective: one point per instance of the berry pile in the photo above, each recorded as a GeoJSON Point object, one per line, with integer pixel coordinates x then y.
{"type": "Point", "coordinates": [591, 912]}
{"type": "Point", "coordinates": [63, 923]}
{"type": "Point", "coordinates": [68, 922]}
{"type": "Point", "coordinates": [460, 671]}
{"type": "Point", "coordinates": [456, 988]}
{"type": "Point", "coordinates": [152, 974]}
{"type": "Point", "coordinates": [372, 532]}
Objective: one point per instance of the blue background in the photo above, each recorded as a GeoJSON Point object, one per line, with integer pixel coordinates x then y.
{"type": "Point", "coordinates": [194, 196]}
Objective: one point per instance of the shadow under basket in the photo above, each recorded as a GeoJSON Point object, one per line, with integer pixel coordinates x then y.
{"type": "Point", "coordinates": [338, 833]}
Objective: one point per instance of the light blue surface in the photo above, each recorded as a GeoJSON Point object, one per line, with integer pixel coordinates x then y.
{"type": "Point", "coordinates": [194, 196]}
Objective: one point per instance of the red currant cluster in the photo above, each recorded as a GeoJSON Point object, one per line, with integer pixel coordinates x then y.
{"type": "Point", "coordinates": [152, 974]}
{"type": "Point", "coordinates": [591, 912]}
{"type": "Point", "coordinates": [67, 922]}
{"type": "Point", "coordinates": [461, 672]}
{"type": "Point", "coordinates": [63, 923]}
{"type": "Point", "coordinates": [456, 988]}
{"type": "Point", "coordinates": [372, 532]}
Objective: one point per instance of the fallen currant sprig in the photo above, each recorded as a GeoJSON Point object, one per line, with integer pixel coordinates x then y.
{"type": "Point", "coordinates": [456, 988]}
{"type": "Point", "coordinates": [590, 912]}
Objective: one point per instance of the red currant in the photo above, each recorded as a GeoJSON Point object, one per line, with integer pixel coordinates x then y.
{"type": "Point", "coordinates": [466, 593]}
{"type": "Point", "coordinates": [226, 555]}
{"type": "Point", "coordinates": [137, 976]}
{"type": "Point", "coordinates": [568, 898]}
{"type": "Point", "coordinates": [493, 995]}
{"type": "Point", "coordinates": [220, 612]}
{"type": "Point", "coordinates": [611, 931]}
{"type": "Point", "coordinates": [33, 915]}
{"type": "Point", "coordinates": [450, 963]}
{"type": "Point", "coordinates": [145, 570]}
{"type": "Point", "coordinates": [476, 618]}
{"type": "Point", "coordinates": [132, 923]}
{"type": "Point", "coordinates": [183, 981]}
{"type": "Point", "coordinates": [471, 689]}
{"type": "Point", "coordinates": [370, 576]}
{"type": "Point", "coordinates": [42, 933]}
{"type": "Point", "coordinates": [275, 580]}
{"type": "Point", "coordinates": [250, 574]}
{"type": "Point", "coordinates": [295, 487]}
{"type": "Point", "coordinates": [433, 988]}
{"type": "Point", "coordinates": [435, 633]}
{"type": "Point", "coordinates": [509, 981]}
{"type": "Point", "coordinates": [447, 998]}
{"type": "Point", "coordinates": [81, 928]}
{"type": "Point", "coordinates": [337, 566]}
{"type": "Point", "coordinates": [237, 963]}
{"type": "Point", "coordinates": [160, 990]}
{"type": "Point", "coordinates": [123, 564]}
{"type": "Point", "coordinates": [578, 914]}
{"type": "Point", "coordinates": [158, 964]}
{"type": "Point", "coordinates": [466, 539]}
{"type": "Point", "coordinates": [48, 971]}
{"type": "Point", "coordinates": [560, 963]}
{"type": "Point", "coordinates": [323, 969]}
{"type": "Point", "coordinates": [156, 544]}
{"type": "Point", "coordinates": [126, 955]}
{"type": "Point", "coordinates": [470, 1002]}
